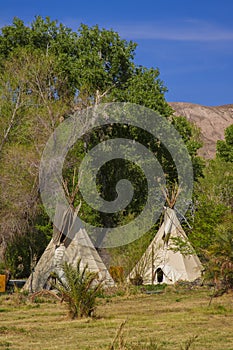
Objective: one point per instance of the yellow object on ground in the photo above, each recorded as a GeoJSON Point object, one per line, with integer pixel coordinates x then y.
{"type": "Point", "coordinates": [2, 283]}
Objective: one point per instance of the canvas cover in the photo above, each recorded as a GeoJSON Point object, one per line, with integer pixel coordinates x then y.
{"type": "Point", "coordinates": [160, 263]}
{"type": "Point", "coordinates": [69, 248]}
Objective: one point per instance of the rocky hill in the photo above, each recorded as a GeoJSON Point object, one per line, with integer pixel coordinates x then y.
{"type": "Point", "coordinates": [211, 120]}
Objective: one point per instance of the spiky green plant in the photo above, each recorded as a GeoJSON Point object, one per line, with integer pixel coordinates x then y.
{"type": "Point", "coordinates": [79, 289]}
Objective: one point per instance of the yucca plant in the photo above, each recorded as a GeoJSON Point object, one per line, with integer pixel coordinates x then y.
{"type": "Point", "coordinates": [79, 289]}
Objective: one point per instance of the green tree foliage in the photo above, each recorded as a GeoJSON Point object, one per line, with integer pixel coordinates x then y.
{"type": "Point", "coordinates": [144, 88]}
{"type": "Point", "coordinates": [23, 251]}
{"type": "Point", "coordinates": [225, 148]}
{"type": "Point", "coordinates": [212, 234]}
{"type": "Point", "coordinates": [213, 201]}
{"type": "Point", "coordinates": [191, 136]}
{"type": "Point", "coordinates": [47, 72]}
{"type": "Point", "coordinates": [104, 60]}
{"type": "Point", "coordinates": [79, 289]}
{"type": "Point", "coordinates": [93, 60]}
{"type": "Point", "coordinates": [220, 256]}
{"type": "Point", "coordinates": [213, 222]}
{"type": "Point", "coordinates": [30, 110]}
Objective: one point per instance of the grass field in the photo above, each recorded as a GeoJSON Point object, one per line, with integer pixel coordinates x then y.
{"type": "Point", "coordinates": [169, 319]}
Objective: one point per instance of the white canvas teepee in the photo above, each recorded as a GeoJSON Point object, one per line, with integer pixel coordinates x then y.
{"type": "Point", "coordinates": [161, 263]}
{"type": "Point", "coordinates": [69, 243]}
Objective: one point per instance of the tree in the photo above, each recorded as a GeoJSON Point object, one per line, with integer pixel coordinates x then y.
{"type": "Point", "coordinates": [191, 136]}
{"type": "Point", "coordinates": [93, 60]}
{"type": "Point", "coordinates": [144, 88]}
{"type": "Point", "coordinates": [225, 148]}
{"type": "Point", "coordinates": [30, 110]}
{"type": "Point", "coordinates": [220, 257]}
{"type": "Point", "coordinates": [213, 202]}
{"type": "Point", "coordinates": [47, 71]}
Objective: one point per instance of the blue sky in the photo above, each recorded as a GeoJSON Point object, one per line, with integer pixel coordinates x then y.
{"type": "Point", "coordinates": [191, 42]}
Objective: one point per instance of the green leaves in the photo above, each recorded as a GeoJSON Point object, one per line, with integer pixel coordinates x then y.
{"type": "Point", "coordinates": [212, 234]}
{"type": "Point", "coordinates": [144, 88]}
{"type": "Point", "coordinates": [31, 105]}
{"type": "Point", "coordinates": [47, 71]}
{"type": "Point", "coordinates": [23, 251]}
{"type": "Point", "coordinates": [225, 148]}
{"type": "Point", "coordinates": [92, 58]}
{"type": "Point", "coordinates": [220, 254]}
{"type": "Point", "coordinates": [13, 36]}
{"type": "Point", "coordinates": [78, 288]}
{"type": "Point", "coordinates": [213, 201]}
{"type": "Point", "coordinates": [103, 59]}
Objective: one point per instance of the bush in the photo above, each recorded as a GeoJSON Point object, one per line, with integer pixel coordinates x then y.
{"type": "Point", "coordinates": [219, 268]}
{"type": "Point", "coordinates": [78, 289]}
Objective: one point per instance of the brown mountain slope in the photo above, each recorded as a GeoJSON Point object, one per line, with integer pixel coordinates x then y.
{"type": "Point", "coordinates": [211, 120]}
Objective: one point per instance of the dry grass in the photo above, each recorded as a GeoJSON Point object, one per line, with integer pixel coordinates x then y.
{"type": "Point", "coordinates": [169, 318]}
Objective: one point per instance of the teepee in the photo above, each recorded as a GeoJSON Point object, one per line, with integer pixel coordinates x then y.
{"type": "Point", "coordinates": [162, 263]}
{"type": "Point", "coordinates": [69, 243]}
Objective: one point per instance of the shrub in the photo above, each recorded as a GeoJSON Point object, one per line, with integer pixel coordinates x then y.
{"type": "Point", "coordinates": [79, 289]}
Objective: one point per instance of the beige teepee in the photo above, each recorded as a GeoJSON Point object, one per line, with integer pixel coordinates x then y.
{"type": "Point", "coordinates": [161, 263]}
{"type": "Point", "coordinates": [70, 243]}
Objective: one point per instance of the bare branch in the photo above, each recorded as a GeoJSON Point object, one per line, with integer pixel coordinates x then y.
{"type": "Point", "coordinates": [44, 99]}
{"type": "Point", "coordinates": [99, 96]}
{"type": "Point", "coordinates": [17, 105]}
